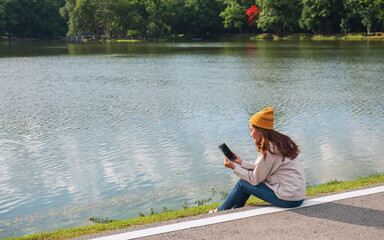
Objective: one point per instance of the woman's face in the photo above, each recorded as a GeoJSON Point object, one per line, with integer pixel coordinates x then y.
{"type": "Point", "coordinates": [255, 134]}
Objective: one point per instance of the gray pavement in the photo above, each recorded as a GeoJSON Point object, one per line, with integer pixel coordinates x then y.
{"type": "Point", "coordinates": [353, 218]}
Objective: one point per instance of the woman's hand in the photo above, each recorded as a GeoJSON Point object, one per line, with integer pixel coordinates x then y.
{"type": "Point", "coordinates": [238, 159]}
{"type": "Point", "coordinates": [230, 164]}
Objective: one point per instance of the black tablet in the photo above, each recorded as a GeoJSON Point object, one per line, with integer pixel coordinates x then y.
{"type": "Point", "coordinates": [227, 152]}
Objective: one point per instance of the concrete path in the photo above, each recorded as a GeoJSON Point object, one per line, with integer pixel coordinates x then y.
{"type": "Point", "coordinates": [356, 214]}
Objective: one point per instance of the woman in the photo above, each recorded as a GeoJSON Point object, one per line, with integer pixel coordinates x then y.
{"type": "Point", "coordinates": [276, 177]}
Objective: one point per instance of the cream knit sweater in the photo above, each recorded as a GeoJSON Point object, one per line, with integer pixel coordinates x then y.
{"type": "Point", "coordinates": [286, 178]}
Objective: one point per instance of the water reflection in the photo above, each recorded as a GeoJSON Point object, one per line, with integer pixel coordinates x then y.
{"type": "Point", "coordinates": [110, 130]}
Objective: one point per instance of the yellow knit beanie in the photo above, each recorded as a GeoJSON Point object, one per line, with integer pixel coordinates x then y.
{"type": "Point", "coordinates": [263, 119]}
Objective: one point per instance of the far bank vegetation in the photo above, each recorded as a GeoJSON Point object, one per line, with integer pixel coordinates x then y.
{"type": "Point", "coordinates": [145, 19]}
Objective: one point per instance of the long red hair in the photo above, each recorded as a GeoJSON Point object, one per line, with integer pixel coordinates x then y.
{"type": "Point", "coordinates": [283, 143]}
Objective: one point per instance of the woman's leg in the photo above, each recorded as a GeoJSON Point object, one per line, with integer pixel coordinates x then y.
{"type": "Point", "coordinates": [263, 192]}
{"type": "Point", "coordinates": [243, 189]}
{"type": "Point", "coordinates": [236, 198]}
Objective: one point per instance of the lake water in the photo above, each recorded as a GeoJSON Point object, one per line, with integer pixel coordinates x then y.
{"type": "Point", "coordinates": [111, 130]}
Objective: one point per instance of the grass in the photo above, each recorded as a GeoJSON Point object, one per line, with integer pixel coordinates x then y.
{"type": "Point", "coordinates": [112, 40]}
{"type": "Point", "coordinates": [330, 187]}
{"type": "Point", "coordinates": [304, 36]}
{"type": "Point", "coordinates": [127, 40]}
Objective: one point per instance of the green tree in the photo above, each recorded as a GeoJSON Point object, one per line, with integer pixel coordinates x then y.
{"type": "Point", "coordinates": [323, 16]}
{"type": "Point", "coordinates": [368, 12]}
{"type": "Point", "coordinates": [337, 14]}
{"type": "Point", "coordinates": [315, 15]}
{"type": "Point", "coordinates": [105, 14]}
{"type": "Point", "coordinates": [233, 16]}
{"type": "Point", "coordinates": [371, 12]}
{"type": "Point", "coordinates": [49, 22]}
{"type": "Point", "coordinates": [128, 18]}
{"type": "Point", "coordinates": [368, 17]}
{"type": "Point", "coordinates": [18, 18]}
{"type": "Point", "coordinates": [380, 15]}
{"type": "Point", "coordinates": [204, 17]}
{"type": "Point", "coordinates": [69, 5]}
{"type": "Point", "coordinates": [345, 26]}
{"type": "Point", "coordinates": [35, 19]}
{"type": "Point", "coordinates": [176, 17]}
{"type": "Point", "coordinates": [83, 18]}
{"type": "Point", "coordinates": [280, 16]}
{"type": "Point", "coordinates": [157, 22]}
{"type": "Point", "coordinates": [80, 15]}
{"type": "Point", "coordinates": [2, 18]}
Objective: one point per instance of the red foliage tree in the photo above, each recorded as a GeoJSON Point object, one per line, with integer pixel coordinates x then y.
{"type": "Point", "coordinates": [251, 13]}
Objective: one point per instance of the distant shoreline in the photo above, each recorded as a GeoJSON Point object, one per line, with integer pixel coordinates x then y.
{"type": "Point", "coordinates": [258, 37]}
{"type": "Point", "coordinates": [224, 37]}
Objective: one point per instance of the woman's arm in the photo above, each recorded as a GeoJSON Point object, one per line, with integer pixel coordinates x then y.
{"type": "Point", "coordinates": [262, 171]}
{"type": "Point", "coordinates": [248, 165]}
{"type": "Point", "coordinates": [244, 164]}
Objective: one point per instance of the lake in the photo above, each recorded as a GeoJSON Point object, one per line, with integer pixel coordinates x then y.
{"type": "Point", "coordinates": [113, 130]}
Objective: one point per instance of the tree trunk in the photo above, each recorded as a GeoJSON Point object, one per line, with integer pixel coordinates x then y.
{"type": "Point", "coordinates": [97, 28]}
{"type": "Point", "coordinates": [108, 26]}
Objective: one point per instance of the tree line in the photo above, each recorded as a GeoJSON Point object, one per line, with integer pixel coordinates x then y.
{"type": "Point", "coordinates": [32, 18]}
{"type": "Point", "coordinates": [163, 18]}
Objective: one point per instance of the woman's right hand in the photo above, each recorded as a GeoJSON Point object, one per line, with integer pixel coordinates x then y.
{"type": "Point", "coordinates": [238, 159]}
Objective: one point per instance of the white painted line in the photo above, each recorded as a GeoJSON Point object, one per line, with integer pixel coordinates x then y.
{"type": "Point", "coordinates": [238, 215]}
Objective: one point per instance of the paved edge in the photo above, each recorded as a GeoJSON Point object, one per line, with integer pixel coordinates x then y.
{"type": "Point", "coordinates": [237, 215]}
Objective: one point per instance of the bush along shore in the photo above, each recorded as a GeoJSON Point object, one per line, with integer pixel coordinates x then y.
{"type": "Point", "coordinates": [104, 225]}
{"type": "Point", "coordinates": [306, 36]}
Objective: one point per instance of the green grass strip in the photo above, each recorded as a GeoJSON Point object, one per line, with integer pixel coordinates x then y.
{"type": "Point", "coordinates": [330, 187]}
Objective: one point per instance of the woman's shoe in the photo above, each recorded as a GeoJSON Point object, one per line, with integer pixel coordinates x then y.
{"type": "Point", "coordinates": [213, 211]}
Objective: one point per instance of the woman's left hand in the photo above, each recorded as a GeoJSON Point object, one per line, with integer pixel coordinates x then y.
{"type": "Point", "coordinates": [228, 163]}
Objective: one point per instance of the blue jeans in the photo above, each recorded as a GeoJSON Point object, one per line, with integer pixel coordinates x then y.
{"type": "Point", "coordinates": [239, 195]}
